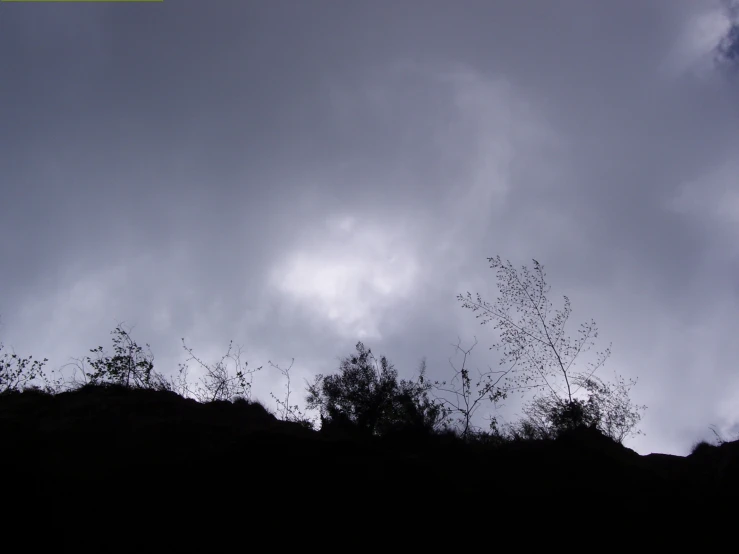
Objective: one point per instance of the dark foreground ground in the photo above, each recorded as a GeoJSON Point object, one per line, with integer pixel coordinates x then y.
{"type": "Point", "coordinates": [145, 448]}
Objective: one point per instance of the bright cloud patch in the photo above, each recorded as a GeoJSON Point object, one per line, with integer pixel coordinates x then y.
{"type": "Point", "coordinates": [350, 275]}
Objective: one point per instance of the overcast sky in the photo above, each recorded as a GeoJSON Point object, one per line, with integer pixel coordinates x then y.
{"type": "Point", "coordinates": [300, 175]}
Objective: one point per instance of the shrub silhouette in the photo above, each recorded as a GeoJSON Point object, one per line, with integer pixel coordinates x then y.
{"type": "Point", "coordinates": [463, 395]}
{"type": "Point", "coordinates": [702, 448]}
{"type": "Point", "coordinates": [366, 398]}
{"type": "Point", "coordinates": [18, 373]}
{"type": "Point", "coordinates": [110, 437]}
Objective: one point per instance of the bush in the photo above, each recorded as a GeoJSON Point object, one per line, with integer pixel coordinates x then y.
{"type": "Point", "coordinates": [701, 448]}
{"type": "Point", "coordinates": [367, 398]}
{"type": "Point", "coordinates": [130, 367]}
{"type": "Point", "coordinates": [17, 374]}
{"type": "Point", "coordinates": [606, 407]}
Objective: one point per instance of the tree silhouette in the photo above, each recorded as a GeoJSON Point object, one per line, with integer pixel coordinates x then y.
{"type": "Point", "coordinates": [543, 358]}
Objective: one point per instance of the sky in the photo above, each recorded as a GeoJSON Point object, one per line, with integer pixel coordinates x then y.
{"type": "Point", "coordinates": [300, 176]}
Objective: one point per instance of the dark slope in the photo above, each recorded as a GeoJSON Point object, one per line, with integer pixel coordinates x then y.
{"type": "Point", "coordinates": [142, 446]}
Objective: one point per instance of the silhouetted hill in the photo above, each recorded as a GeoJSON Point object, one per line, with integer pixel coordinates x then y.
{"type": "Point", "coordinates": [127, 444]}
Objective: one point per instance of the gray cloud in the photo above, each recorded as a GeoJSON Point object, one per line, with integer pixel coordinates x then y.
{"type": "Point", "coordinates": [300, 176]}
